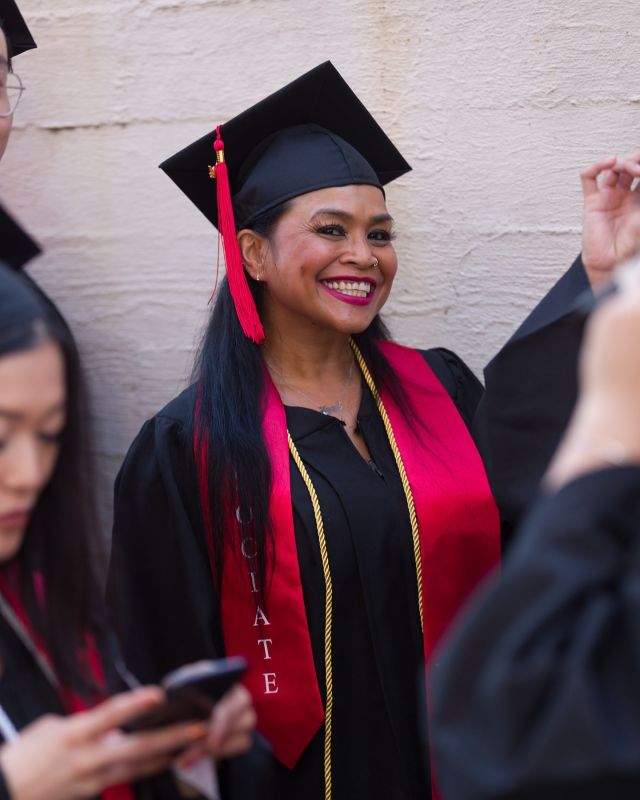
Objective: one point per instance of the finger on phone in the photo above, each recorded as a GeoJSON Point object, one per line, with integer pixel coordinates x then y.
{"type": "Point", "coordinates": [133, 748]}
{"type": "Point", "coordinates": [124, 772]}
{"type": "Point", "coordinates": [116, 711]}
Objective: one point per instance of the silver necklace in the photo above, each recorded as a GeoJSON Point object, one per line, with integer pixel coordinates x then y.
{"type": "Point", "coordinates": [327, 410]}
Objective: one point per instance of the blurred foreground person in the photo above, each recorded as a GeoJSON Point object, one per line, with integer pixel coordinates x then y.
{"type": "Point", "coordinates": [537, 694]}
{"type": "Point", "coordinates": [56, 654]}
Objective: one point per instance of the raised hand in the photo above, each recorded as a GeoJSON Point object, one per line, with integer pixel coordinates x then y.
{"type": "Point", "coordinates": [611, 224]}
{"type": "Point", "coordinates": [72, 758]}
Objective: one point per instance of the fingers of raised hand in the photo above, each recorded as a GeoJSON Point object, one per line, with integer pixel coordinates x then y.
{"type": "Point", "coordinates": [589, 175]}
{"type": "Point", "coordinates": [628, 168]}
{"type": "Point", "coordinates": [610, 172]}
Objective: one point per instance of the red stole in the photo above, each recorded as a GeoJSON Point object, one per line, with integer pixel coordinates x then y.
{"type": "Point", "coordinates": [459, 540]}
{"type": "Point", "coordinates": [71, 701]}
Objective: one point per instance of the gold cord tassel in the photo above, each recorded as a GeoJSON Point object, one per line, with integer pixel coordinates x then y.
{"type": "Point", "coordinates": [317, 513]}
{"type": "Point", "coordinates": [328, 614]}
{"type": "Point", "coordinates": [413, 517]}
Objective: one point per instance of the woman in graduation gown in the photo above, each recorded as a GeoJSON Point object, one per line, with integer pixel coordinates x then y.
{"type": "Point", "coordinates": [537, 694]}
{"type": "Point", "coordinates": [314, 500]}
{"type": "Point", "coordinates": [57, 656]}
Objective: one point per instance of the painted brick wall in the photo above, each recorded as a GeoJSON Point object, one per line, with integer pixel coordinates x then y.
{"type": "Point", "coordinates": [496, 104]}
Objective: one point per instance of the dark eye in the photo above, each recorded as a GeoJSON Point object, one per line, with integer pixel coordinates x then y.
{"type": "Point", "coordinates": [331, 230]}
{"type": "Point", "coordinates": [381, 236]}
{"type": "Point", "coordinates": [51, 438]}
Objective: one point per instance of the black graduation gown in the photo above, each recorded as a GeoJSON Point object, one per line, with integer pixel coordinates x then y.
{"type": "Point", "coordinates": [531, 387]}
{"type": "Point", "coordinates": [159, 575]}
{"type": "Point", "coordinates": [160, 583]}
{"type": "Point", "coordinates": [537, 693]}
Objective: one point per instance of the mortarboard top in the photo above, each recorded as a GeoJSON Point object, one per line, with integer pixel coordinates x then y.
{"type": "Point", "coordinates": [268, 164]}
{"type": "Point", "coordinates": [17, 248]}
{"type": "Point", "coordinates": [15, 28]}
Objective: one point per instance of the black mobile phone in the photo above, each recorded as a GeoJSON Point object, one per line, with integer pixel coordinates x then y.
{"type": "Point", "coordinates": [192, 691]}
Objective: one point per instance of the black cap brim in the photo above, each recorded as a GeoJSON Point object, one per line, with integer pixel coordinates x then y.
{"type": "Point", "coordinates": [15, 28]}
{"type": "Point", "coordinates": [17, 248]}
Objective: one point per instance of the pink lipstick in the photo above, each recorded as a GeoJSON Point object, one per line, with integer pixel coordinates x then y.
{"type": "Point", "coordinates": [350, 289]}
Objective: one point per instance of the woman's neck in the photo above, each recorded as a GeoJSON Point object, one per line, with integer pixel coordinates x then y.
{"type": "Point", "coordinates": [311, 358]}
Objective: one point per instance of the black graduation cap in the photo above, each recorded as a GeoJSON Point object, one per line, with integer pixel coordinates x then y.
{"type": "Point", "coordinates": [312, 134]}
{"type": "Point", "coordinates": [17, 248]}
{"type": "Point", "coordinates": [15, 28]}
{"type": "Point", "coordinates": [20, 306]}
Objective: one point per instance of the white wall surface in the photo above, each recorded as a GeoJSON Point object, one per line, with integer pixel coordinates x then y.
{"type": "Point", "coordinates": [496, 104]}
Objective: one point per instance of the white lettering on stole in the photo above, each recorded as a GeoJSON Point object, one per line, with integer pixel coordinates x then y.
{"type": "Point", "coordinates": [249, 549]}
{"type": "Point", "coordinates": [239, 516]}
{"type": "Point", "coordinates": [260, 617]}
{"type": "Point", "coordinates": [265, 644]}
{"type": "Point", "coordinates": [246, 544]}
{"type": "Point", "coordinates": [270, 683]}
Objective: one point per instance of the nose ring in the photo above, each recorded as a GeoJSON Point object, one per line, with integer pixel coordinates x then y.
{"type": "Point", "coordinates": [375, 262]}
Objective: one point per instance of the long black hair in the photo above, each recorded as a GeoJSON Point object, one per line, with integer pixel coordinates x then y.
{"type": "Point", "coordinates": [230, 375]}
{"type": "Point", "coordinates": [57, 542]}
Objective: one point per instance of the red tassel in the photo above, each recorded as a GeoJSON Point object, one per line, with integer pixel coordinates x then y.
{"type": "Point", "coordinates": [242, 297]}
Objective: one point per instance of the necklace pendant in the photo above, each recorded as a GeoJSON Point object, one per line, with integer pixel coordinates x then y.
{"type": "Point", "coordinates": [329, 411]}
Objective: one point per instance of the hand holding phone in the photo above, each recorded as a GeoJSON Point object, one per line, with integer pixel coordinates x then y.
{"type": "Point", "coordinates": [192, 691]}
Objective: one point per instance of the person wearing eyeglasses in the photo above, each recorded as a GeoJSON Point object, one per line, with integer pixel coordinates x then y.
{"type": "Point", "coordinates": [15, 38]}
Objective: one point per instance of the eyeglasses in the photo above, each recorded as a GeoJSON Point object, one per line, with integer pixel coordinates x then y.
{"type": "Point", "coordinates": [11, 89]}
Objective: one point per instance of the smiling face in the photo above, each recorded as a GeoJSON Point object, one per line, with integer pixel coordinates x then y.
{"type": "Point", "coordinates": [32, 418]}
{"type": "Point", "coordinates": [329, 264]}
{"type": "Point", "coordinates": [5, 122]}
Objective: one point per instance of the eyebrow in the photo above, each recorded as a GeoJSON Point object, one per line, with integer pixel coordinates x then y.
{"type": "Point", "coordinates": [16, 416]}
{"type": "Point", "coordinates": [338, 212]}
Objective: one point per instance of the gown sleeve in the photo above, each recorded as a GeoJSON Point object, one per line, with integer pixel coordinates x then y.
{"type": "Point", "coordinates": [159, 584]}
{"type": "Point", "coordinates": [536, 693]}
{"type": "Point", "coordinates": [160, 589]}
{"type": "Point", "coordinates": [517, 420]}
{"type": "Point", "coordinates": [462, 385]}
{"type": "Point", "coordinates": [530, 391]}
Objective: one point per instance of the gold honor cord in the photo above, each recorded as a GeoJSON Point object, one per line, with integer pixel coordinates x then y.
{"type": "Point", "coordinates": [328, 614]}
{"type": "Point", "coordinates": [413, 518]}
